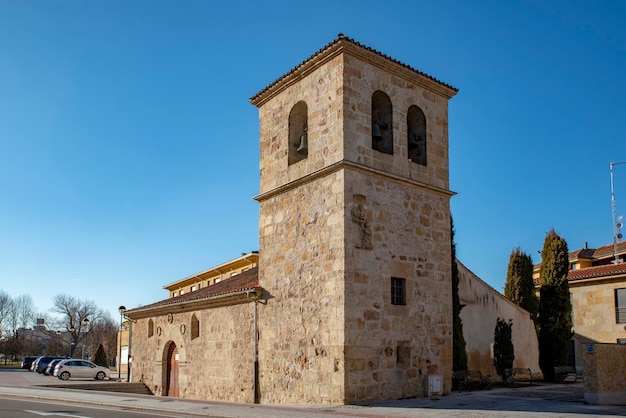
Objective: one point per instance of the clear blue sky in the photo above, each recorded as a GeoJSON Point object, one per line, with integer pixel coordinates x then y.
{"type": "Point", "coordinates": [129, 149]}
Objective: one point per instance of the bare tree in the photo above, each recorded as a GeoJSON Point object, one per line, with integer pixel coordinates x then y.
{"type": "Point", "coordinates": [24, 311]}
{"type": "Point", "coordinates": [103, 331]}
{"type": "Point", "coordinates": [76, 316]}
{"type": "Point", "coordinates": [6, 304]}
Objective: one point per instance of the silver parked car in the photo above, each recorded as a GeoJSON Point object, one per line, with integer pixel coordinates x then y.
{"type": "Point", "coordinates": [80, 369]}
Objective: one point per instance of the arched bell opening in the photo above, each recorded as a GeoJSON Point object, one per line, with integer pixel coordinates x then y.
{"type": "Point", "coordinates": [298, 133]}
{"type": "Point", "coordinates": [416, 135]}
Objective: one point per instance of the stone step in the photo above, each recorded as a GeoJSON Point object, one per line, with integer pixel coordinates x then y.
{"type": "Point", "coordinates": [122, 387]}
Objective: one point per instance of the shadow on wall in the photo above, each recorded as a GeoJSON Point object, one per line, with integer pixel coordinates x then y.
{"type": "Point", "coordinates": [482, 306]}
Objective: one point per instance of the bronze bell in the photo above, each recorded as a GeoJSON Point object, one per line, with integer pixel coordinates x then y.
{"type": "Point", "coordinates": [376, 134]}
{"type": "Point", "coordinates": [303, 147]}
{"type": "Point", "coordinates": [414, 142]}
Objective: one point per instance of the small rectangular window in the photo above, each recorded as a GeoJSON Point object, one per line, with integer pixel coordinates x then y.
{"type": "Point", "coordinates": [620, 305]}
{"type": "Point", "coordinates": [403, 354]}
{"type": "Point", "coordinates": [398, 291]}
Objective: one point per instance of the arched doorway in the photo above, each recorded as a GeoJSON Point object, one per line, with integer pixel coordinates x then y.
{"type": "Point", "coordinates": [171, 365]}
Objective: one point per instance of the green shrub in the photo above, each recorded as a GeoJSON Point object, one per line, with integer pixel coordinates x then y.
{"type": "Point", "coordinates": [101, 357]}
{"type": "Point", "coordinates": [503, 350]}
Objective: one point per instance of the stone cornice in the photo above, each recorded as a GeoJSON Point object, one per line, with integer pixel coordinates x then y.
{"type": "Point", "coordinates": [342, 165]}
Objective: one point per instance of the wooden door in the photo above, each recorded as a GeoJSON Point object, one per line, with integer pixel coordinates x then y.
{"type": "Point", "coordinates": [172, 372]}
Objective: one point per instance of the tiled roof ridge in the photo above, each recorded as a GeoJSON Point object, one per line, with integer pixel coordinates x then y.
{"type": "Point", "coordinates": [596, 271]}
{"type": "Point", "coordinates": [601, 251]}
{"type": "Point", "coordinates": [247, 280]}
{"type": "Point", "coordinates": [592, 272]}
{"type": "Point", "coordinates": [329, 45]}
{"type": "Point", "coordinates": [608, 249]}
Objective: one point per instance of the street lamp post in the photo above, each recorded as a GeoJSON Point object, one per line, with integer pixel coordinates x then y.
{"type": "Point", "coordinates": [617, 220]}
{"type": "Point", "coordinates": [121, 309]}
{"type": "Point", "coordinates": [86, 324]}
{"type": "Point", "coordinates": [73, 342]}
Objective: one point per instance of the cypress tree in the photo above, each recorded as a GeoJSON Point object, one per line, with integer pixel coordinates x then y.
{"type": "Point", "coordinates": [503, 350]}
{"type": "Point", "coordinates": [459, 355]}
{"type": "Point", "coordinates": [100, 358]}
{"type": "Point", "coordinates": [555, 308]}
{"type": "Point", "coordinates": [519, 287]}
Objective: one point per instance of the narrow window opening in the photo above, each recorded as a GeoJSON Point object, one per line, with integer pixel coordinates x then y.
{"type": "Point", "coordinates": [382, 123]}
{"type": "Point", "coordinates": [150, 328]}
{"type": "Point", "coordinates": [416, 131]}
{"type": "Point", "coordinates": [298, 133]}
{"type": "Point", "coordinates": [195, 327]}
{"type": "Point", "coordinates": [398, 291]}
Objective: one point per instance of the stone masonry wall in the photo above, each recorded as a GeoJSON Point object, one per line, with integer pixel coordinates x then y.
{"type": "Point", "coordinates": [321, 91]}
{"type": "Point", "coordinates": [301, 247]}
{"type": "Point", "coordinates": [301, 327]}
{"type": "Point", "coordinates": [593, 310]}
{"type": "Point", "coordinates": [361, 81]}
{"type": "Point", "coordinates": [391, 349]}
{"type": "Point", "coordinates": [590, 305]}
{"type": "Point", "coordinates": [605, 374]}
{"type": "Point", "coordinates": [217, 365]}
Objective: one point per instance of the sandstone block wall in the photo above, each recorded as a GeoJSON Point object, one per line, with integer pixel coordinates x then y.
{"type": "Point", "coordinates": [217, 365]}
{"type": "Point", "coordinates": [593, 314]}
{"type": "Point", "coordinates": [605, 373]}
{"type": "Point", "coordinates": [301, 269]}
{"type": "Point", "coordinates": [322, 92]}
{"type": "Point", "coordinates": [391, 349]}
{"type": "Point", "coordinates": [361, 80]}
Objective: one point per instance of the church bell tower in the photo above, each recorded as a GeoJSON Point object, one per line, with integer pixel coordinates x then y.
{"type": "Point", "coordinates": [355, 251]}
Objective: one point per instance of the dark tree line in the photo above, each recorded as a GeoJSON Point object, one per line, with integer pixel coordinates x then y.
{"type": "Point", "coordinates": [552, 312]}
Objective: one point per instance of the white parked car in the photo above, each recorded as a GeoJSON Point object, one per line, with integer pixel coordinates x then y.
{"type": "Point", "coordinates": [80, 369]}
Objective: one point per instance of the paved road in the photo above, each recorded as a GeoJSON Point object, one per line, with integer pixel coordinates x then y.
{"type": "Point", "coordinates": [535, 401]}
{"type": "Point", "coordinates": [29, 408]}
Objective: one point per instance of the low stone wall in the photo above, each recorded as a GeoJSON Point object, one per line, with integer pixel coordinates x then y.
{"type": "Point", "coordinates": [605, 374]}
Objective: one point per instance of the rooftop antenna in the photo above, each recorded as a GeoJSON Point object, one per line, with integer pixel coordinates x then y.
{"type": "Point", "coordinates": [617, 220]}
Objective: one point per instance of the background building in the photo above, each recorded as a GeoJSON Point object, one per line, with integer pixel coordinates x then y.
{"type": "Point", "coordinates": [597, 283]}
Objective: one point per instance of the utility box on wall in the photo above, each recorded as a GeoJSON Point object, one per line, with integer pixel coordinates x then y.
{"type": "Point", "coordinates": [434, 386]}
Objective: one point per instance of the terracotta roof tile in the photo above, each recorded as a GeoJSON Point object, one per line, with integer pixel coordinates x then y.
{"type": "Point", "coordinates": [581, 253]}
{"type": "Point", "coordinates": [247, 280]}
{"type": "Point", "coordinates": [607, 250]}
{"type": "Point", "coordinates": [597, 271]}
{"type": "Point", "coordinates": [342, 37]}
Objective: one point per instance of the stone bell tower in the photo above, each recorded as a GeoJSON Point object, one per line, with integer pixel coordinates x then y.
{"type": "Point", "coordinates": [354, 230]}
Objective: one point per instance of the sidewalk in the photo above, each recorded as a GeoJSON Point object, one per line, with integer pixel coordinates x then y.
{"type": "Point", "coordinates": [535, 401]}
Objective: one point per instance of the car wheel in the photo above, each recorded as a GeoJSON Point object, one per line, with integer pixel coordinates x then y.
{"type": "Point", "coordinates": [100, 376]}
{"type": "Point", "coordinates": [64, 376]}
